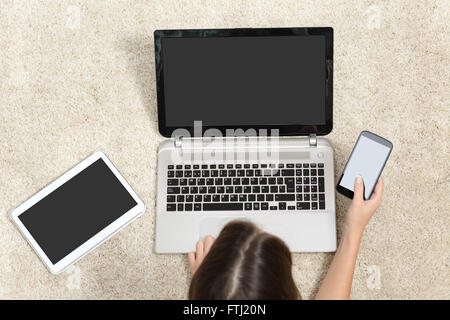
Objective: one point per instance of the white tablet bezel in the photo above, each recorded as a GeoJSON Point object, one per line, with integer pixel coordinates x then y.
{"type": "Point", "coordinates": [97, 239]}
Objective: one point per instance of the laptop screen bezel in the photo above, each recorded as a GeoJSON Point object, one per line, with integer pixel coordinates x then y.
{"type": "Point", "coordinates": [286, 130]}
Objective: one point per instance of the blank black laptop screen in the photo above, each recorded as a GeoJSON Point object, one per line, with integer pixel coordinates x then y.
{"type": "Point", "coordinates": [244, 81]}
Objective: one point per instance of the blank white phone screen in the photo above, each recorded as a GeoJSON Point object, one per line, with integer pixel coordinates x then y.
{"type": "Point", "coordinates": [367, 160]}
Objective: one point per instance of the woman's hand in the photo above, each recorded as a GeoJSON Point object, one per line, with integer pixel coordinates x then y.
{"type": "Point", "coordinates": [360, 210]}
{"type": "Point", "coordinates": [202, 249]}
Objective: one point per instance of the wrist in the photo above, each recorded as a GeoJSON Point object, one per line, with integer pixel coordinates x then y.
{"type": "Point", "coordinates": [352, 235]}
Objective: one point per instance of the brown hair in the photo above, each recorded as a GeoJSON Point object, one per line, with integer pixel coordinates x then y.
{"type": "Point", "coordinates": [245, 263]}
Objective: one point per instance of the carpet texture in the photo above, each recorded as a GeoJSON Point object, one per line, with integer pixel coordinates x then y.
{"type": "Point", "coordinates": [79, 76]}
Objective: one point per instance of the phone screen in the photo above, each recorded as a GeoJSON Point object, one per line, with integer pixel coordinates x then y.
{"type": "Point", "coordinates": [367, 160]}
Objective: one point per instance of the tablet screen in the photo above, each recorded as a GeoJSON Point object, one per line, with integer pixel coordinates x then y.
{"type": "Point", "coordinates": [77, 210]}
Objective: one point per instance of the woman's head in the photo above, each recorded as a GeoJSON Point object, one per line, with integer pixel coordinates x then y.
{"type": "Point", "coordinates": [245, 263]}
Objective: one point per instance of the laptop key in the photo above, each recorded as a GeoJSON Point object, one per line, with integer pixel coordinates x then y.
{"type": "Point", "coordinates": [194, 190]}
{"type": "Point", "coordinates": [197, 206]}
{"type": "Point", "coordinates": [173, 190]}
{"type": "Point", "coordinates": [303, 206]}
{"type": "Point", "coordinates": [291, 207]}
{"type": "Point", "coordinates": [273, 208]}
{"type": "Point", "coordinates": [171, 207]}
{"type": "Point", "coordinates": [180, 207]}
{"type": "Point", "coordinates": [321, 184]}
{"type": "Point", "coordinates": [170, 198]}
{"type": "Point", "coordinates": [282, 205]}
{"type": "Point", "coordinates": [264, 206]}
{"type": "Point", "coordinates": [170, 174]}
{"type": "Point", "coordinates": [255, 206]}
{"type": "Point", "coordinates": [322, 205]}
{"type": "Point", "coordinates": [216, 198]}
{"type": "Point", "coordinates": [314, 205]}
{"type": "Point", "coordinates": [188, 207]}
{"type": "Point", "coordinates": [285, 197]}
{"type": "Point", "coordinates": [248, 206]}
{"type": "Point", "coordinates": [180, 198]}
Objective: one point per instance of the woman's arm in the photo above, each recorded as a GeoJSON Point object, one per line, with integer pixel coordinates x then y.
{"type": "Point", "coordinates": [338, 281]}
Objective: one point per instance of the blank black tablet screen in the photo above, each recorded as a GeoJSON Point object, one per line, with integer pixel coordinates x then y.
{"type": "Point", "coordinates": [77, 210]}
{"type": "Point", "coordinates": [244, 81]}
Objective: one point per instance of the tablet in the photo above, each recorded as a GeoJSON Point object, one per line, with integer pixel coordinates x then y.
{"type": "Point", "coordinates": [77, 212]}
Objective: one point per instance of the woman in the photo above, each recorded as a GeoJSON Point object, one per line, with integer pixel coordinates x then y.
{"type": "Point", "coordinates": [247, 263]}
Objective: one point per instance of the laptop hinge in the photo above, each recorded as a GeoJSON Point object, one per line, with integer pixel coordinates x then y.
{"type": "Point", "coordinates": [312, 140]}
{"type": "Point", "coordinates": [178, 141]}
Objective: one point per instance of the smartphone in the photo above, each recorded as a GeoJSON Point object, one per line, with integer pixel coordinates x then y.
{"type": "Point", "coordinates": [368, 158]}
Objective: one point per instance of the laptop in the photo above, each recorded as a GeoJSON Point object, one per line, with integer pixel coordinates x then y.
{"type": "Point", "coordinates": [244, 112]}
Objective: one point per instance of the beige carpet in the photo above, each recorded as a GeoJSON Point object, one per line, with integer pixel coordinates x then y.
{"type": "Point", "coordinates": [78, 76]}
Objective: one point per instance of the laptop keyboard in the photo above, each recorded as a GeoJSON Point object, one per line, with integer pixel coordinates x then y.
{"type": "Point", "coordinates": [246, 187]}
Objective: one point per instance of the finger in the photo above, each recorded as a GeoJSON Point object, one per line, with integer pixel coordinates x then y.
{"type": "Point", "coordinates": [358, 194]}
{"type": "Point", "coordinates": [199, 250]}
{"type": "Point", "coordinates": [209, 240]}
{"type": "Point", "coordinates": [191, 258]}
{"type": "Point", "coordinates": [377, 194]}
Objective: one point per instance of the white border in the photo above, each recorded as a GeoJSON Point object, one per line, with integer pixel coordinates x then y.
{"type": "Point", "coordinates": [96, 240]}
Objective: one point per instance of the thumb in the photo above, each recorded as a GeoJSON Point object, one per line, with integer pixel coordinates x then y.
{"type": "Point", "coordinates": [359, 189]}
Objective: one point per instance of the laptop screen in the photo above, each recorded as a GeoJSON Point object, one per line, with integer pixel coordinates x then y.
{"type": "Point", "coordinates": [244, 81]}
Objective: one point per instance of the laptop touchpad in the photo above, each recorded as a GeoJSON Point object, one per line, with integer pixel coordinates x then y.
{"type": "Point", "coordinates": [212, 226]}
